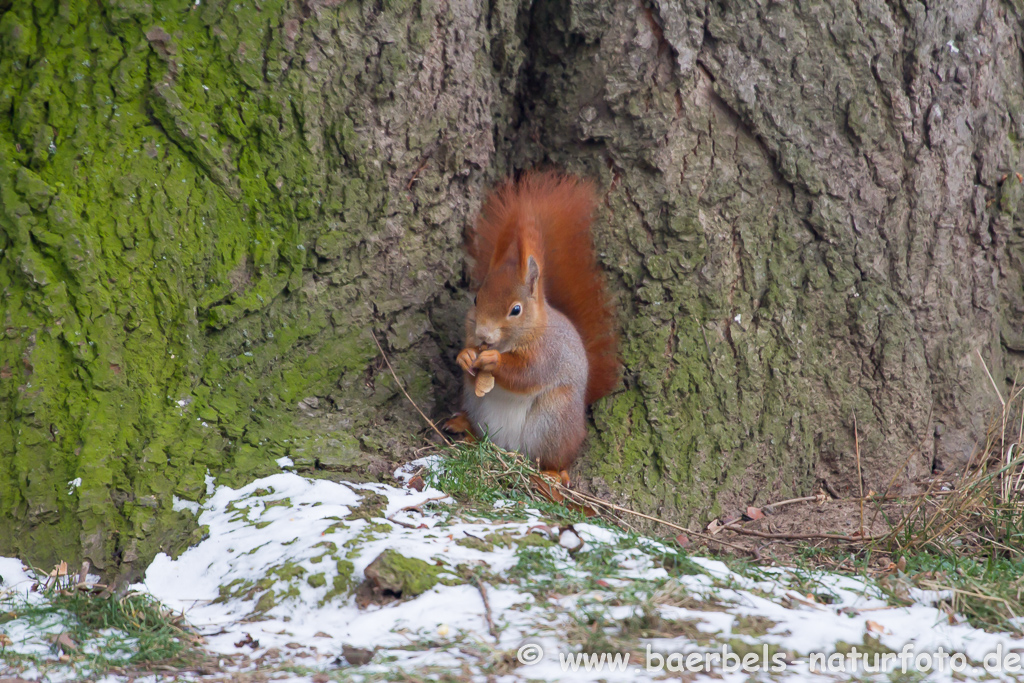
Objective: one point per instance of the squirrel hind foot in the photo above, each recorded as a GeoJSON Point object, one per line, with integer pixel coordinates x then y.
{"type": "Point", "coordinates": [560, 476]}
{"type": "Point", "coordinates": [459, 425]}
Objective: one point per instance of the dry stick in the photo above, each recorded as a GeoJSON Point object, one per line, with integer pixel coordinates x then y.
{"type": "Point", "coordinates": [860, 479]}
{"type": "Point", "coordinates": [429, 421]}
{"type": "Point", "coordinates": [909, 496]}
{"type": "Point", "coordinates": [1006, 479]}
{"type": "Point", "coordinates": [802, 537]}
{"type": "Point", "coordinates": [805, 499]}
{"type": "Point", "coordinates": [618, 508]}
{"type": "Point", "coordinates": [487, 610]}
{"type": "Point", "coordinates": [415, 506]}
{"type": "Point", "coordinates": [985, 368]}
{"type": "Point", "coordinates": [1020, 439]}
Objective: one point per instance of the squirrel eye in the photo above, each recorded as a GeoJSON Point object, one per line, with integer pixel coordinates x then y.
{"type": "Point", "coordinates": [516, 310]}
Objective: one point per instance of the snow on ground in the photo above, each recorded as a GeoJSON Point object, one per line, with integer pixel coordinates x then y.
{"type": "Point", "coordinates": [278, 578]}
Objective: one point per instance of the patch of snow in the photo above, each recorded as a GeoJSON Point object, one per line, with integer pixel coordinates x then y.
{"type": "Point", "coordinates": [179, 504]}
{"type": "Point", "coordinates": [284, 554]}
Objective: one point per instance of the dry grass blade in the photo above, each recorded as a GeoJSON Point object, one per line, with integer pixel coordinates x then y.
{"type": "Point", "coordinates": [860, 476]}
{"type": "Point", "coordinates": [988, 374]}
{"type": "Point", "coordinates": [984, 507]}
{"type": "Point", "coordinates": [406, 393]}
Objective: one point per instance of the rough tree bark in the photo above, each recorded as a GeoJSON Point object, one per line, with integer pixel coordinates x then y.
{"type": "Point", "coordinates": [207, 209]}
{"type": "Point", "coordinates": [815, 204]}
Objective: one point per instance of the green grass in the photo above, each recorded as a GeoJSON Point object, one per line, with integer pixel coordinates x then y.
{"type": "Point", "coordinates": [481, 474]}
{"type": "Point", "coordinates": [965, 537]}
{"type": "Point", "coordinates": [105, 631]}
{"type": "Point", "coordinates": [983, 573]}
{"type": "Point", "coordinates": [986, 590]}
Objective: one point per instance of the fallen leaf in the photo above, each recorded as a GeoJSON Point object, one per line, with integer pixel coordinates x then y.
{"type": "Point", "coordinates": [875, 627]}
{"type": "Point", "coordinates": [248, 640]}
{"type": "Point", "coordinates": [356, 656]}
{"type": "Point", "coordinates": [902, 564]}
{"type": "Point", "coordinates": [65, 643]}
{"type": "Point", "coordinates": [714, 527]}
{"type": "Point", "coordinates": [754, 513]}
{"type": "Point", "coordinates": [417, 483]}
{"type": "Point", "coordinates": [683, 540]}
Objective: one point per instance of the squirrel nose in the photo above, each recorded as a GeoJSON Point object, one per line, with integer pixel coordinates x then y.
{"type": "Point", "coordinates": [489, 335]}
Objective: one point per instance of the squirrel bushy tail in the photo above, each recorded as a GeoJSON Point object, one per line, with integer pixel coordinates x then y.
{"type": "Point", "coordinates": [548, 215]}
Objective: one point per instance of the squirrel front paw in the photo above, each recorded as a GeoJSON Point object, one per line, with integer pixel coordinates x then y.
{"type": "Point", "coordinates": [467, 357]}
{"type": "Point", "coordinates": [487, 361]}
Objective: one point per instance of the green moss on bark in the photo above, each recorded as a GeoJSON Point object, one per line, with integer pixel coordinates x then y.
{"type": "Point", "coordinates": [200, 213]}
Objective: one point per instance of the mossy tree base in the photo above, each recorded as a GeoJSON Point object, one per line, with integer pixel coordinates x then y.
{"type": "Point", "coordinates": [205, 208]}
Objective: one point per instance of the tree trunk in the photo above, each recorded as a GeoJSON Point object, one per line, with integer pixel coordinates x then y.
{"type": "Point", "coordinates": [209, 209]}
{"type": "Point", "coordinates": [815, 206]}
{"type": "Point", "coordinates": [206, 209]}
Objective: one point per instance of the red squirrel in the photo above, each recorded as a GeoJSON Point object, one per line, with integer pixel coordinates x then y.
{"type": "Point", "coordinates": [541, 322]}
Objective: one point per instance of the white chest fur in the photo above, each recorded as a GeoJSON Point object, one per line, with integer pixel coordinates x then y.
{"type": "Point", "coordinates": [502, 415]}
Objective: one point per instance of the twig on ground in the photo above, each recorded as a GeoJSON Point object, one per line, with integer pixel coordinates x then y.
{"type": "Point", "coordinates": [487, 609]}
{"type": "Point", "coordinates": [415, 506]}
{"type": "Point", "coordinates": [618, 508]}
{"type": "Point", "coordinates": [801, 537]}
{"type": "Point", "coordinates": [791, 501]}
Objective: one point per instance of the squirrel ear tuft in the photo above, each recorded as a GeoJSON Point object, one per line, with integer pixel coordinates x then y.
{"type": "Point", "coordinates": [532, 275]}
